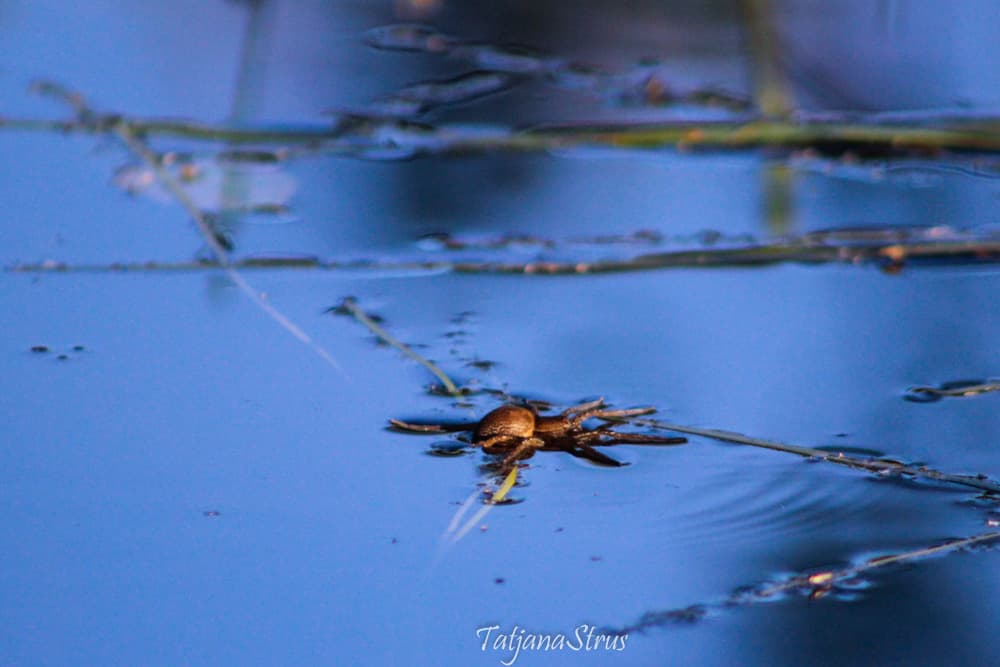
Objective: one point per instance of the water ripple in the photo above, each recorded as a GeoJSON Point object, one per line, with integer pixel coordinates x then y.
{"type": "Point", "coordinates": [762, 501]}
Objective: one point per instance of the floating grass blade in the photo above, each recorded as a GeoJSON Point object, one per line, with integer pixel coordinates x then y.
{"type": "Point", "coordinates": [349, 306]}
{"type": "Point", "coordinates": [505, 488]}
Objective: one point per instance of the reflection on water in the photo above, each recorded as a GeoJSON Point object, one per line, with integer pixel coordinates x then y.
{"type": "Point", "coordinates": [648, 83]}
{"type": "Point", "coordinates": [217, 185]}
{"type": "Point", "coordinates": [191, 485]}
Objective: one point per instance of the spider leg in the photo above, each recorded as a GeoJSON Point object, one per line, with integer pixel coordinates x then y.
{"type": "Point", "coordinates": [618, 414]}
{"type": "Point", "coordinates": [429, 428]}
{"type": "Point", "coordinates": [608, 415]}
{"type": "Point", "coordinates": [618, 438]}
{"type": "Point", "coordinates": [523, 450]}
{"type": "Point", "coordinates": [585, 451]}
{"type": "Point", "coordinates": [497, 441]}
{"type": "Point", "coordinates": [582, 407]}
{"type": "Point", "coordinates": [588, 437]}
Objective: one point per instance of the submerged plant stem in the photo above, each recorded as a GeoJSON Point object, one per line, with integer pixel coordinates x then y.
{"type": "Point", "coordinates": [351, 308]}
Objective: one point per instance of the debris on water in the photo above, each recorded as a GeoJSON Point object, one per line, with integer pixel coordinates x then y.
{"type": "Point", "coordinates": [407, 37]}
{"type": "Point", "coordinates": [952, 389]}
{"type": "Point", "coordinates": [346, 307]}
{"type": "Point", "coordinates": [62, 356]}
{"type": "Point", "coordinates": [646, 83]}
{"type": "Point", "coordinates": [440, 390]}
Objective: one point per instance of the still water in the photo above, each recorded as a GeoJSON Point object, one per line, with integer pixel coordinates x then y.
{"type": "Point", "coordinates": [184, 482]}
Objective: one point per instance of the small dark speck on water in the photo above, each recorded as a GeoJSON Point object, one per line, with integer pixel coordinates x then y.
{"type": "Point", "coordinates": [499, 580]}
{"type": "Point", "coordinates": [63, 357]}
{"type": "Point", "coordinates": [596, 558]}
{"type": "Point", "coordinates": [78, 348]}
{"type": "Point", "coordinates": [40, 349]}
{"type": "Point", "coordinates": [482, 365]}
{"type": "Point", "coordinates": [211, 513]}
{"type": "Point", "coordinates": [394, 541]}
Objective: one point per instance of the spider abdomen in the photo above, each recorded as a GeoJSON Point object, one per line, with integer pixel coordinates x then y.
{"type": "Point", "coordinates": [507, 420]}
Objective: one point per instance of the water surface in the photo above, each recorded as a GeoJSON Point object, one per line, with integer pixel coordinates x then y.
{"type": "Point", "coordinates": [192, 485]}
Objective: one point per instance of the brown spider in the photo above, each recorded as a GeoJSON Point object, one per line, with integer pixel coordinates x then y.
{"type": "Point", "coordinates": [518, 431]}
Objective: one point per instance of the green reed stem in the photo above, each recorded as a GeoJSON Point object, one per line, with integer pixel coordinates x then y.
{"type": "Point", "coordinates": [350, 307]}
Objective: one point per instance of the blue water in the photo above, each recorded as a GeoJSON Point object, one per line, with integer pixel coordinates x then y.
{"type": "Point", "coordinates": [194, 486]}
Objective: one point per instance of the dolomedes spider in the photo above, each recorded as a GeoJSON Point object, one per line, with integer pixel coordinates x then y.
{"type": "Point", "coordinates": [518, 431]}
